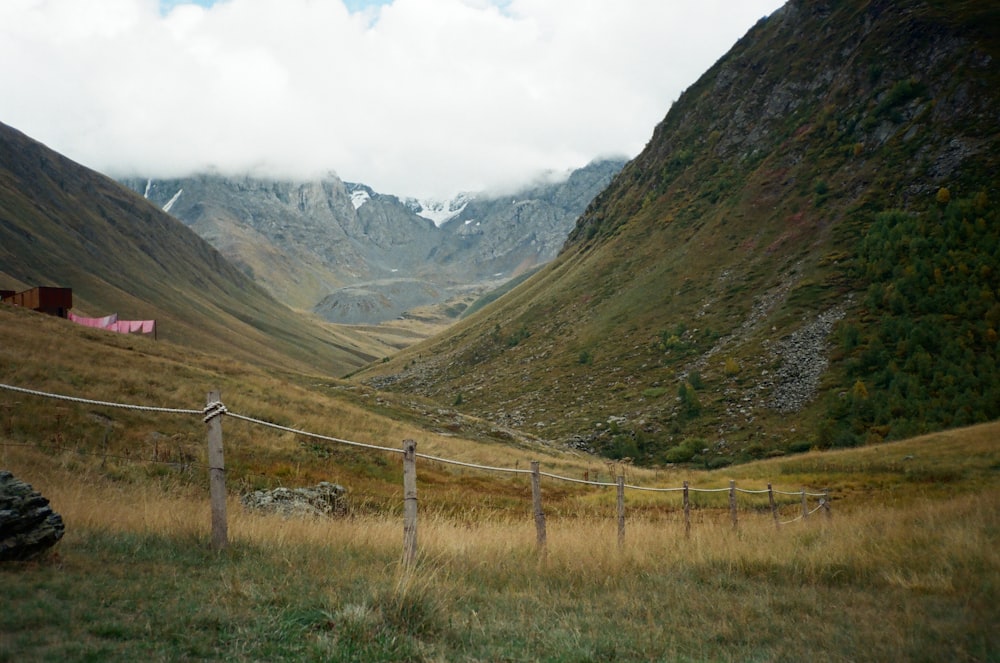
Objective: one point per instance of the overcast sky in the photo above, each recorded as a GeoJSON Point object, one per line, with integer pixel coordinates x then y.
{"type": "Point", "coordinates": [412, 97]}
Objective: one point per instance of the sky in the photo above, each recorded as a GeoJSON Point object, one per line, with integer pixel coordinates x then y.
{"type": "Point", "coordinates": [423, 98]}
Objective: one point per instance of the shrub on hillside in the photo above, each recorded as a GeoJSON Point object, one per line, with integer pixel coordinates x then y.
{"type": "Point", "coordinates": [925, 354]}
{"type": "Point", "coordinates": [685, 451]}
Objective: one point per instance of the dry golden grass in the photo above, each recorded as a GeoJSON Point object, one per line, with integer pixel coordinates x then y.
{"type": "Point", "coordinates": [913, 577]}
{"type": "Point", "coordinates": [873, 535]}
{"type": "Point", "coordinates": [908, 561]}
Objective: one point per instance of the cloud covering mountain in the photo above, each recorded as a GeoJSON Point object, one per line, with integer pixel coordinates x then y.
{"type": "Point", "coordinates": [418, 97]}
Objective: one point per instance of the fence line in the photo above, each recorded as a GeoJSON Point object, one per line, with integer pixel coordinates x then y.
{"type": "Point", "coordinates": [215, 409]}
{"type": "Point", "coordinates": [209, 411]}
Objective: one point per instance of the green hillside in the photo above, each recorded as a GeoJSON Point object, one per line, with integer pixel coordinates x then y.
{"type": "Point", "coordinates": [64, 225]}
{"type": "Point", "coordinates": [904, 569]}
{"type": "Point", "coordinates": [805, 254]}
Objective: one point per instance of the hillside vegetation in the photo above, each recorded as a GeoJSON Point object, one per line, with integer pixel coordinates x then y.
{"type": "Point", "coordinates": [804, 255]}
{"type": "Point", "coordinates": [48, 354]}
{"type": "Point", "coordinates": [64, 225]}
{"type": "Point", "coordinates": [906, 567]}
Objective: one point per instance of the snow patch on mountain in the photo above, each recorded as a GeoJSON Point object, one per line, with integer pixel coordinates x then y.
{"type": "Point", "coordinates": [359, 198]}
{"type": "Point", "coordinates": [439, 211]}
{"type": "Point", "coordinates": [359, 193]}
{"type": "Point", "coordinates": [170, 203]}
{"type": "Point", "coordinates": [436, 210]}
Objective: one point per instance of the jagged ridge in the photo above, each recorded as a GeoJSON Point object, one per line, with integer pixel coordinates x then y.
{"type": "Point", "coordinates": [323, 245]}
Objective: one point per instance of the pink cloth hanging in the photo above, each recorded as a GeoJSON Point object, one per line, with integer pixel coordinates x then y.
{"type": "Point", "coordinates": [99, 323]}
{"type": "Point", "coordinates": [138, 326]}
{"type": "Point", "coordinates": [112, 323]}
{"type": "Point", "coordinates": [134, 326]}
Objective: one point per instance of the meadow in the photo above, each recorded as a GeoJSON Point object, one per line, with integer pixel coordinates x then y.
{"type": "Point", "coordinates": [906, 567]}
{"type": "Point", "coordinates": [907, 570]}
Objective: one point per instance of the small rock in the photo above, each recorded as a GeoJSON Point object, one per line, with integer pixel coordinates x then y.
{"type": "Point", "coordinates": [323, 499]}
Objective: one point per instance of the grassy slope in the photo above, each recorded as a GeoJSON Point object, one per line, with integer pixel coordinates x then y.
{"type": "Point", "coordinates": [906, 568]}
{"type": "Point", "coordinates": [62, 224]}
{"type": "Point", "coordinates": [53, 355]}
{"type": "Point", "coordinates": [737, 227]}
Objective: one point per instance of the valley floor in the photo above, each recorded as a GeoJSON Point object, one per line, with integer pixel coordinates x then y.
{"type": "Point", "coordinates": [907, 572]}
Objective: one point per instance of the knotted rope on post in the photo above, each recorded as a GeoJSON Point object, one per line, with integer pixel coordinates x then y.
{"type": "Point", "coordinates": [214, 409]}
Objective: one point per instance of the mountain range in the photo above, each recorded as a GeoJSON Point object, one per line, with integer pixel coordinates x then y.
{"type": "Point", "coordinates": [356, 256]}
{"type": "Point", "coordinates": [804, 254]}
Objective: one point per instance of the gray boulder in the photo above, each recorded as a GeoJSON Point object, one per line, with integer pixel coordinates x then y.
{"type": "Point", "coordinates": [323, 499]}
{"type": "Point", "coordinates": [28, 525]}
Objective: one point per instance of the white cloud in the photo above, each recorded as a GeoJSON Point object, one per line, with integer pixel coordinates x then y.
{"type": "Point", "coordinates": [416, 97]}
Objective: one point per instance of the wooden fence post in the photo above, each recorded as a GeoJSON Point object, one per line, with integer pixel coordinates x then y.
{"type": "Point", "coordinates": [9, 408]}
{"type": "Point", "coordinates": [216, 470]}
{"type": "Point", "coordinates": [774, 506]}
{"type": "Point", "coordinates": [409, 502]}
{"type": "Point", "coordinates": [536, 500]}
{"type": "Point", "coordinates": [805, 505]}
{"type": "Point", "coordinates": [104, 444]}
{"type": "Point", "coordinates": [621, 511]}
{"type": "Point", "coordinates": [826, 505]}
{"type": "Point", "coordinates": [732, 503]}
{"type": "Point", "coordinates": [687, 511]}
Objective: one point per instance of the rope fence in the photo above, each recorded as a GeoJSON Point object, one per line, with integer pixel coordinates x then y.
{"type": "Point", "coordinates": [214, 410]}
{"type": "Point", "coordinates": [88, 401]}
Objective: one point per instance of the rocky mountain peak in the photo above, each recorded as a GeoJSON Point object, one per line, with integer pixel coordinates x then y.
{"type": "Point", "coordinates": [355, 255]}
